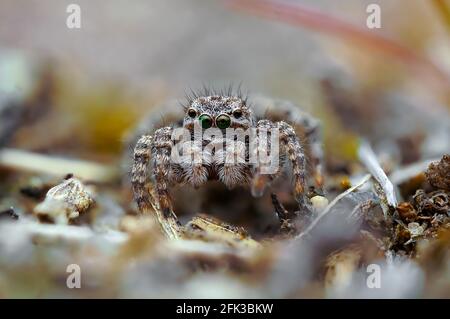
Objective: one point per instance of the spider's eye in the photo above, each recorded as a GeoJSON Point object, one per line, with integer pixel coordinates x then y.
{"type": "Point", "coordinates": [205, 121]}
{"type": "Point", "coordinates": [192, 113]}
{"type": "Point", "coordinates": [223, 121]}
{"type": "Point", "coordinates": [237, 113]}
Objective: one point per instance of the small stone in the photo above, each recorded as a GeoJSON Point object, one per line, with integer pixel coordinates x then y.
{"type": "Point", "coordinates": [415, 230]}
{"type": "Point", "coordinates": [319, 203]}
{"type": "Point", "coordinates": [65, 202]}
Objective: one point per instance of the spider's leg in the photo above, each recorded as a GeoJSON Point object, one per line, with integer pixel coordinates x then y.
{"type": "Point", "coordinates": [169, 112]}
{"type": "Point", "coordinates": [293, 148]}
{"type": "Point", "coordinates": [261, 145]}
{"type": "Point", "coordinates": [162, 146]}
{"type": "Point", "coordinates": [155, 152]}
{"type": "Point", "coordinates": [313, 134]}
{"type": "Point", "coordinates": [307, 128]}
{"type": "Point", "coordinates": [139, 173]}
{"type": "Point", "coordinates": [289, 145]}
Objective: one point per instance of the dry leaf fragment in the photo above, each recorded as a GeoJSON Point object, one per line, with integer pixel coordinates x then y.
{"type": "Point", "coordinates": [438, 173]}
{"type": "Point", "coordinates": [407, 212]}
{"type": "Point", "coordinates": [65, 201]}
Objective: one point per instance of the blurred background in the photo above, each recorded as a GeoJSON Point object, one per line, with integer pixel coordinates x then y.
{"type": "Point", "coordinates": [126, 58]}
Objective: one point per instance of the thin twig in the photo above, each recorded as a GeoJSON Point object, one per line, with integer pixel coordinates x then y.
{"type": "Point", "coordinates": [370, 161]}
{"type": "Point", "coordinates": [47, 164]}
{"type": "Point", "coordinates": [62, 232]}
{"type": "Point", "coordinates": [331, 205]}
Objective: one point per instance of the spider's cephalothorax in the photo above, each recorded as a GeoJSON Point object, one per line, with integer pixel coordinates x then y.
{"type": "Point", "coordinates": [155, 170]}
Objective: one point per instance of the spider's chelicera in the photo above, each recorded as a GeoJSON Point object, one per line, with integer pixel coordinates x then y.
{"type": "Point", "coordinates": [220, 139]}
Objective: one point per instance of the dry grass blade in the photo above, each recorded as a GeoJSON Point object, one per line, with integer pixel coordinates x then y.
{"type": "Point", "coordinates": [370, 161]}
{"type": "Point", "coordinates": [57, 166]}
{"type": "Point", "coordinates": [328, 209]}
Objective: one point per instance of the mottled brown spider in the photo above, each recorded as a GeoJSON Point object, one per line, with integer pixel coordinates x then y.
{"type": "Point", "coordinates": [154, 171]}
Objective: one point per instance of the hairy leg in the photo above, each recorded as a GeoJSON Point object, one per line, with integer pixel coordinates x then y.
{"type": "Point", "coordinates": [307, 128]}
{"type": "Point", "coordinates": [313, 134]}
{"type": "Point", "coordinates": [261, 145]}
{"type": "Point", "coordinates": [139, 173]}
{"type": "Point", "coordinates": [290, 146]}
{"type": "Point", "coordinates": [155, 152]}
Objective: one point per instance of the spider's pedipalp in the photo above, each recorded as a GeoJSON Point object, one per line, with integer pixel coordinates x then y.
{"type": "Point", "coordinates": [194, 169]}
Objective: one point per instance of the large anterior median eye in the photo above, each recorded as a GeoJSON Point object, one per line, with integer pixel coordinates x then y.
{"type": "Point", "coordinates": [205, 121]}
{"type": "Point", "coordinates": [223, 121]}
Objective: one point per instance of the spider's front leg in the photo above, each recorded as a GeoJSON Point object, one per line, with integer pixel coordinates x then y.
{"type": "Point", "coordinates": [290, 145]}
{"type": "Point", "coordinates": [155, 152]}
{"type": "Point", "coordinates": [307, 128]}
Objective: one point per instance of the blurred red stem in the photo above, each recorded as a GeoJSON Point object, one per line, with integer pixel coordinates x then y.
{"type": "Point", "coordinates": [316, 20]}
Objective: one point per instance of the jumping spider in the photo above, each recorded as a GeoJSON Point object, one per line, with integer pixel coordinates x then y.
{"type": "Point", "coordinates": [154, 172]}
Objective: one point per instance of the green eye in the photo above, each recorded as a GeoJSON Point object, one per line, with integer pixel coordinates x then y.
{"type": "Point", "coordinates": [223, 121]}
{"type": "Point", "coordinates": [205, 121]}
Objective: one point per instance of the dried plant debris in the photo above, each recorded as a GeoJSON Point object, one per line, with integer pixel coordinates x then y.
{"type": "Point", "coordinates": [422, 218]}
{"type": "Point", "coordinates": [334, 208]}
{"type": "Point", "coordinates": [65, 202]}
{"type": "Point", "coordinates": [438, 173]}
{"type": "Point", "coordinates": [211, 229]}
{"type": "Point", "coordinates": [288, 221]}
{"type": "Point", "coordinates": [384, 188]}
{"type": "Point", "coordinates": [407, 212]}
{"type": "Point", "coordinates": [436, 202]}
{"type": "Point", "coordinates": [9, 214]}
{"type": "Point", "coordinates": [340, 266]}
